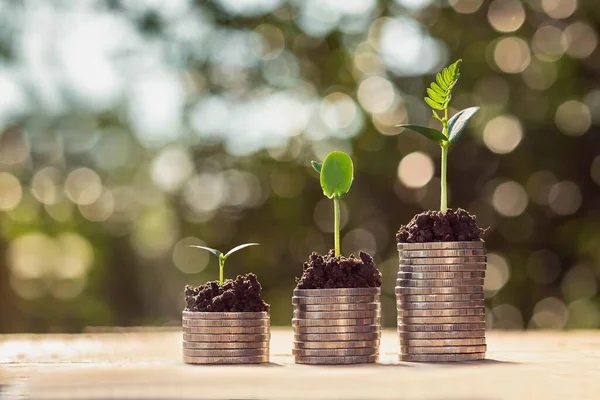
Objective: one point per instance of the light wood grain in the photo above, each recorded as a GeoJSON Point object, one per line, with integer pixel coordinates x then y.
{"type": "Point", "coordinates": [520, 365]}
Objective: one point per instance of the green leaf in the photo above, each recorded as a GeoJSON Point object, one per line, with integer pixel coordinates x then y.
{"type": "Point", "coordinates": [214, 251]}
{"type": "Point", "coordinates": [337, 174]}
{"type": "Point", "coordinates": [434, 96]}
{"type": "Point", "coordinates": [440, 81]}
{"type": "Point", "coordinates": [442, 87]}
{"type": "Point", "coordinates": [429, 133]}
{"type": "Point", "coordinates": [458, 122]}
{"type": "Point", "coordinates": [241, 246]}
{"type": "Point", "coordinates": [317, 166]}
{"type": "Point", "coordinates": [433, 104]}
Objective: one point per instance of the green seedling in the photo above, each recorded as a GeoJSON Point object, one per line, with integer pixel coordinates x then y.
{"type": "Point", "coordinates": [336, 175]}
{"type": "Point", "coordinates": [439, 95]}
{"type": "Point", "coordinates": [223, 257]}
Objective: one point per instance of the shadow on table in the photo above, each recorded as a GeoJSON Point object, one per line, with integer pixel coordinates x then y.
{"type": "Point", "coordinates": [474, 363]}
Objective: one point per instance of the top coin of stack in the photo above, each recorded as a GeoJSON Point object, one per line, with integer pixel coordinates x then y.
{"type": "Point", "coordinates": [440, 301]}
{"type": "Point", "coordinates": [336, 326]}
{"type": "Point", "coordinates": [226, 338]}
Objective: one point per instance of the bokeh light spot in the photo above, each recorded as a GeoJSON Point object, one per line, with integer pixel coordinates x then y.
{"type": "Point", "coordinates": [497, 274]}
{"type": "Point", "coordinates": [503, 134]}
{"type": "Point", "coordinates": [512, 55]}
{"type": "Point", "coordinates": [506, 15]}
{"type": "Point", "coordinates": [565, 198]}
{"type": "Point", "coordinates": [573, 118]}
{"type": "Point", "coordinates": [415, 170]}
{"type": "Point", "coordinates": [510, 199]}
{"type": "Point", "coordinates": [10, 191]}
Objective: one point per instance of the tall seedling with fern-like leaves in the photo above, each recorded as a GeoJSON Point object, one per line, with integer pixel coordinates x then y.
{"type": "Point", "coordinates": [439, 95]}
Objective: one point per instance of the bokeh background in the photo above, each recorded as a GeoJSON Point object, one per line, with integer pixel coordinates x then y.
{"type": "Point", "coordinates": [131, 129]}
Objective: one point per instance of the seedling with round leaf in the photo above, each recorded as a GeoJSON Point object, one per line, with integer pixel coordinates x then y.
{"type": "Point", "coordinates": [439, 95]}
{"type": "Point", "coordinates": [336, 176]}
{"type": "Point", "coordinates": [224, 257]}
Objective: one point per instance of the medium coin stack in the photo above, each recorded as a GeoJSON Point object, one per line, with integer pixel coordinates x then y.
{"type": "Point", "coordinates": [440, 302]}
{"type": "Point", "coordinates": [336, 326]}
{"type": "Point", "coordinates": [226, 337]}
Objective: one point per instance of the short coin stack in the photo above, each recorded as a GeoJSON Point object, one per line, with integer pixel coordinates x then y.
{"type": "Point", "coordinates": [226, 337]}
{"type": "Point", "coordinates": [440, 301]}
{"type": "Point", "coordinates": [336, 326]}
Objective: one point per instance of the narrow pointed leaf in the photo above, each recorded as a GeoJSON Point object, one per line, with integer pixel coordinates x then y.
{"type": "Point", "coordinates": [436, 88]}
{"type": "Point", "coordinates": [214, 251]}
{"type": "Point", "coordinates": [434, 96]}
{"type": "Point", "coordinates": [458, 122]}
{"type": "Point", "coordinates": [440, 81]}
{"type": "Point", "coordinates": [429, 133]}
{"type": "Point", "coordinates": [241, 246]}
{"type": "Point", "coordinates": [433, 104]}
{"type": "Point", "coordinates": [337, 174]}
{"type": "Point", "coordinates": [317, 166]}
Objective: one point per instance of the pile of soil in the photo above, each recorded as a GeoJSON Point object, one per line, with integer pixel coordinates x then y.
{"type": "Point", "coordinates": [435, 226]}
{"type": "Point", "coordinates": [239, 295]}
{"type": "Point", "coordinates": [331, 272]}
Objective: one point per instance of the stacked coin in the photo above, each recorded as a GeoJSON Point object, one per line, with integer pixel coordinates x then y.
{"type": "Point", "coordinates": [336, 326]}
{"type": "Point", "coordinates": [226, 337]}
{"type": "Point", "coordinates": [440, 303]}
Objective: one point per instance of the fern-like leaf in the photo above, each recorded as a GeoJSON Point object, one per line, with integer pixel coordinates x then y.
{"type": "Point", "coordinates": [440, 91]}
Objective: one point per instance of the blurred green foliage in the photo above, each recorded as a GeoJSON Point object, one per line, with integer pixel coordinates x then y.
{"type": "Point", "coordinates": [133, 129]}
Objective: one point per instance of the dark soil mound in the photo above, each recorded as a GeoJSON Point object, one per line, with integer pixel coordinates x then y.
{"type": "Point", "coordinates": [239, 295]}
{"type": "Point", "coordinates": [435, 226]}
{"type": "Point", "coordinates": [329, 271]}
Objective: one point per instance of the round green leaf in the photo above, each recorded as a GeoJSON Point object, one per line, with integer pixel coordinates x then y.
{"type": "Point", "coordinates": [337, 174]}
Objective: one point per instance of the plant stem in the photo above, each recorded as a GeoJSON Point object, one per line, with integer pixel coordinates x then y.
{"type": "Point", "coordinates": [221, 268]}
{"type": "Point", "coordinates": [444, 184]}
{"type": "Point", "coordinates": [336, 210]}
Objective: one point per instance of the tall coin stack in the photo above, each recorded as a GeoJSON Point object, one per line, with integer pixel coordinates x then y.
{"type": "Point", "coordinates": [440, 302]}
{"type": "Point", "coordinates": [336, 326]}
{"type": "Point", "coordinates": [226, 337]}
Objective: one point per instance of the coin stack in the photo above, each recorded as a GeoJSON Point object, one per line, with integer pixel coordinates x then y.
{"type": "Point", "coordinates": [336, 326]}
{"type": "Point", "coordinates": [440, 303]}
{"type": "Point", "coordinates": [226, 337]}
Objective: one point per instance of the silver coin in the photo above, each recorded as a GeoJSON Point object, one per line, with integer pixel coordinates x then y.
{"type": "Point", "coordinates": [441, 342]}
{"type": "Point", "coordinates": [442, 245]}
{"type": "Point", "coordinates": [442, 253]}
{"type": "Point", "coordinates": [442, 335]}
{"type": "Point", "coordinates": [442, 268]}
{"type": "Point", "coordinates": [240, 337]}
{"type": "Point", "coordinates": [441, 275]}
{"type": "Point", "coordinates": [226, 330]}
{"type": "Point", "coordinates": [473, 319]}
{"type": "Point", "coordinates": [438, 305]}
{"type": "Point", "coordinates": [337, 329]}
{"type": "Point", "coordinates": [297, 300]}
{"type": "Point", "coordinates": [226, 345]}
{"type": "Point", "coordinates": [346, 344]}
{"type": "Point", "coordinates": [225, 322]}
{"type": "Point", "coordinates": [226, 360]}
{"type": "Point", "coordinates": [443, 349]}
{"type": "Point", "coordinates": [336, 360]}
{"type": "Point", "coordinates": [444, 260]}
{"type": "Point", "coordinates": [336, 322]}
{"type": "Point", "coordinates": [425, 298]}
{"type": "Point", "coordinates": [337, 314]}
{"type": "Point", "coordinates": [441, 357]}
{"type": "Point", "coordinates": [225, 315]}
{"type": "Point", "coordinates": [338, 307]}
{"type": "Point", "coordinates": [337, 292]}
{"type": "Point", "coordinates": [226, 352]}
{"type": "Point", "coordinates": [438, 290]}
{"type": "Point", "coordinates": [334, 337]}
{"type": "Point", "coordinates": [447, 312]}
{"type": "Point", "coordinates": [439, 282]}
{"type": "Point", "coordinates": [361, 351]}
{"type": "Point", "coordinates": [439, 327]}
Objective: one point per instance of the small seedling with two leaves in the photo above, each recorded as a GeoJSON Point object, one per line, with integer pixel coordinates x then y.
{"type": "Point", "coordinates": [223, 257]}
{"type": "Point", "coordinates": [439, 97]}
{"type": "Point", "coordinates": [336, 176]}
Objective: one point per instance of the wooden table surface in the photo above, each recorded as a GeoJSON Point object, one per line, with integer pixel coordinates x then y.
{"type": "Point", "coordinates": [147, 364]}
